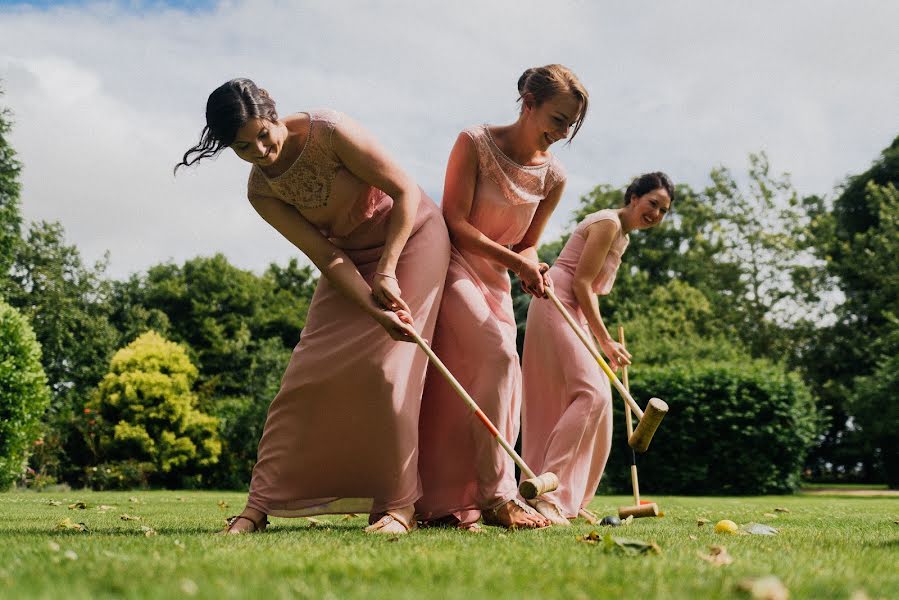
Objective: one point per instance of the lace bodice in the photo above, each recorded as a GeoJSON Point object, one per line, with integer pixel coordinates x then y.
{"type": "Point", "coordinates": [307, 182]}
{"type": "Point", "coordinates": [519, 184]}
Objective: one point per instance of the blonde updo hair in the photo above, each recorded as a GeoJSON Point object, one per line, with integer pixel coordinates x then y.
{"type": "Point", "coordinates": [544, 83]}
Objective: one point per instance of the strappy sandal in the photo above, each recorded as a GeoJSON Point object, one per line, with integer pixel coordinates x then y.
{"type": "Point", "coordinates": [491, 516]}
{"type": "Point", "coordinates": [385, 524]}
{"type": "Point", "coordinates": [257, 526]}
{"type": "Point", "coordinates": [550, 511]}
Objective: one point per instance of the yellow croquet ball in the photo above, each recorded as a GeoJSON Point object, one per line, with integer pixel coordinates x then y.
{"type": "Point", "coordinates": [725, 526]}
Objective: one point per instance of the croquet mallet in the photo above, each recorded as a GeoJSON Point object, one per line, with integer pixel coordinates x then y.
{"type": "Point", "coordinates": [656, 409]}
{"type": "Point", "coordinates": [531, 487]}
{"type": "Point", "coordinates": [650, 509]}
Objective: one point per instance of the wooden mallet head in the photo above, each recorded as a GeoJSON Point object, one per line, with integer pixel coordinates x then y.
{"type": "Point", "coordinates": [646, 428]}
{"type": "Point", "coordinates": [643, 510]}
{"type": "Point", "coordinates": [531, 488]}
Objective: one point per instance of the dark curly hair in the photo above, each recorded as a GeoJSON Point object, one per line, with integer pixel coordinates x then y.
{"type": "Point", "coordinates": [648, 182]}
{"type": "Point", "coordinates": [228, 109]}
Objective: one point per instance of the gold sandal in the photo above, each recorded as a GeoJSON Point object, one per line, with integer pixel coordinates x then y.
{"type": "Point", "coordinates": [492, 516]}
{"type": "Point", "coordinates": [383, 524]}
{"type": "Point", "coordinates": [257, 526]}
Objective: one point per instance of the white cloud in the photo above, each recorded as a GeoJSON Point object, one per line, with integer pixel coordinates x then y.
{"type": "Point", "coordinates": [107, 99]}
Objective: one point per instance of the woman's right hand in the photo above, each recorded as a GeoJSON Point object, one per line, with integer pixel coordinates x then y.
{"type": "Point", "coordinates": [531, 278]}
{"type": "Point", "coordinates": [399, 324]}
{"type": "Point", "coordinates": [617, 354]}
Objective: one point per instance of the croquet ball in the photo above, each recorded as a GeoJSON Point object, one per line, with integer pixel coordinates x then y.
{"type": "Point", "coordinates": [725, 526]}
{"type": "Point", "coordinates": [610, 521]}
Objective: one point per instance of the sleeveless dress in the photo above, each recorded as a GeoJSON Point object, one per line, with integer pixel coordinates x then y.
{"type": "Point", "coordinates": [566, 417]}
{"type": "Point", "coordinates": [341, 435]}
{"type": "Point", "coordinates": [463, 469]}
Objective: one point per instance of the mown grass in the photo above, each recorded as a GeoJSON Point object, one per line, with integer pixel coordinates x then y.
{"type": "Point", "coordinates": [828, 547]}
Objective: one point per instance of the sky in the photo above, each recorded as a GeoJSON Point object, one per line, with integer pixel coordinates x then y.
{"type": "Point", "coordinates": [107, 96]}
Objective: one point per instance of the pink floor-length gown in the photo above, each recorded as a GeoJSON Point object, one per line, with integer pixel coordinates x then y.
{"type": "Point", "coordinates": [463, 469]}
{"type": "Point", "coordinates": [567, 409]}
{"type": "Point", "coordinates": [341, 435]}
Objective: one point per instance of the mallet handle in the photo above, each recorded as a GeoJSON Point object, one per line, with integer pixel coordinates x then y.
{"type": "Point", "coordinates": [627, 412]}
{"type": "Point", "coordinates": [599, 359]}
{"type": "Point", "coordinates": [635, 483]}
{"type": "Point", "coordinates": [473, 406]}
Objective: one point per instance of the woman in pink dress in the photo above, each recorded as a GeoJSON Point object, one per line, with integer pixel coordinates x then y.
{"type": "Point", "coordinates": [341, 436]}
{"type": "Point", "coordinates": [567, 413]}
{"type": "Point", "coordinates": [502, 184]}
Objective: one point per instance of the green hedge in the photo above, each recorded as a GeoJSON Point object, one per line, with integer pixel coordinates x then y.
{"type": "Point", "coordinates": [23, 393]}
{"type": "Point", "coordinates": [732, 428]}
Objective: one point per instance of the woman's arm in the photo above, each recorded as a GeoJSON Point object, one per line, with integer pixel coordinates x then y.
{"type": "Point", "coordinates": [331, 261]}
{"type": "Point", "coordinates": [527, 247]}
{"type": "Point", "coordinates": [458, 196]}
{"type": "Point", "coordinates": [363, 156]}
{"type": "Point", "coordinates": [599, 237]}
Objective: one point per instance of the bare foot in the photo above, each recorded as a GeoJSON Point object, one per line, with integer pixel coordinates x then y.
{"type": "Point", "coordinates": [515, 515]}
{"type": "Point", "coordinates": [248, 521]}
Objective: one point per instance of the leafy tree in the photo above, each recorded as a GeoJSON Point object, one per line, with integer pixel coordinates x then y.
{"type": "Point", "coordinates": [23, 393]}
{"type": "Point", "coordinates": [222, 313]}
{"type": "Point", "coordinates": [10, 213]}
{"type": "Point", "coordinates": [146, 415]}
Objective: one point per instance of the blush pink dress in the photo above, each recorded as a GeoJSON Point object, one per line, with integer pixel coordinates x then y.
{"type": "Point", "coordinates": [463, 469]}
{"type": "Point", "coordinates": [341, 435]}
{"type": "Point", "coordinates": [567, 412]}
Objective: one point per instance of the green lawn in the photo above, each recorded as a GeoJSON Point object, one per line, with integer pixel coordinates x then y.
{"type": "Point", "coordinates": [828, 547]}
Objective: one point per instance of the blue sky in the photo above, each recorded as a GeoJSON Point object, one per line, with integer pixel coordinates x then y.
{"type": "Point", "coordinates": [106, 97]}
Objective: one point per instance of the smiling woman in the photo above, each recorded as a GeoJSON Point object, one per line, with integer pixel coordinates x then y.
{"type": "Point", "coordinates": [567, 410]}
{"type": "Point", "coordinates": [502, 184]}
{"type": "Point", "coordinates": [341, 436]}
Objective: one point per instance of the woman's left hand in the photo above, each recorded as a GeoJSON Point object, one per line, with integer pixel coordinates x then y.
{"type": "Point", "coordinates": [386, 290]}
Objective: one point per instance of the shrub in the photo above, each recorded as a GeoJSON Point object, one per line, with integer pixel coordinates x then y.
{"type": "Point", "coordinates": [732, 428]}
{"type": "Point", "coordinates": [143, 422]}
{"type": "Point", "coordinates": [24, 395]}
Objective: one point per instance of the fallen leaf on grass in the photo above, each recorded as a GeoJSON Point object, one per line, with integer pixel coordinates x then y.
{"type": "Point", "coordinates": [591, 538]}
{"type": "Point", "coordinates": [348, 517]}
{"type": "Point", "coordinates": [148, 531]}
{"type": "Point", "coordinates": [189, 587]}
{"type": "Point", "coordinates": [765, 588]}
{"type": "Point", "coordinates": [759, 529]}
{"type": "Point", "coordinates": [781, 509]}
{"type": "Point", "coordinates": [702, 521]}
{"type": "Point", "coordinates": [693, 537]}
{"type": "Point", "coordinates": [628, 520]}
{"type": "Point", "coordinates": [717, 555]}
{"type": "Point", "coordinates": [104, 507]}
{"type": "Point", "coordinates": [54, 503]}
{"type": "Point", "coordinates": [70, 554]}
{"type": "Point", "coordinates": [629, 545]}
{"type": "Point", "coordinates": [134, 500]}
{"type": "Point", "coordinates": [222, 505]}
{"type": "Point", "coordinates": [127, 517]}
{"type": "Point", "coordinates": [770, 515]}
{"type": "Point", "coordinates": [68, 525]}
{"type": "Point", "coordinates": [77, 506]}
{"type": "Point", "coordinates": [313, 522]}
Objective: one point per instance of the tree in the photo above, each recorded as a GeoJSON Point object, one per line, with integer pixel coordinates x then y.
{"type": "Point", "coordinates": [146, 417]}
{"type": "Point", "coordinates": [23, 393]}
{"type": "Point", "coordinates": [859, 240]}
{"type": "Point", "coordinates": [10, 212]}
